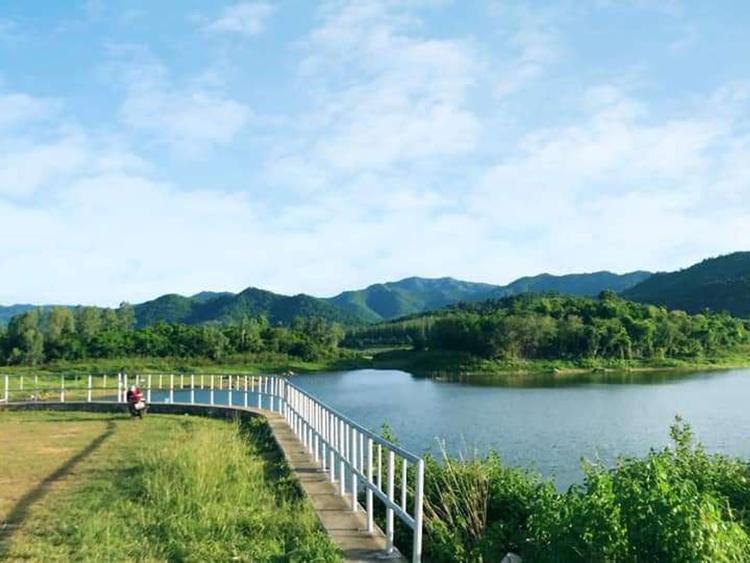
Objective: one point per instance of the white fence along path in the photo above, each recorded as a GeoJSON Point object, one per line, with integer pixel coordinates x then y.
{"type": "Point", "coordinates": [359, 461]}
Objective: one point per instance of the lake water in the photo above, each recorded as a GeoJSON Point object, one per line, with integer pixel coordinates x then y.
{"type": "Point", "coordinates": [546, 422]}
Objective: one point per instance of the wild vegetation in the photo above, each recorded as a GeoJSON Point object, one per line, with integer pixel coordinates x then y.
{"type": "Point", "coordinates": [673, 505]}
{"type": "Point", "coordinates": [561, 327]}
{"type": "Point", "coordinates": [174, 489]}
{"type": "Point", "coordinates": [59, 333]}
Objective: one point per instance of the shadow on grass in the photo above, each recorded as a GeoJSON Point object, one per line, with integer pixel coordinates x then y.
{"type": "Point", "coordinates": [259, 436]}
{"type": "Point", "coordinates": [20, 510]}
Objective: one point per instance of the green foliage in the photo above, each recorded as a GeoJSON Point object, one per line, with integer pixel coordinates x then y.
{"type": "Point", "coordinates": [560, 327]}
{"type": "Point", "coordinates": [674, 504]}
{"type": "Point", "coordinates": [35, 337]}
{"type": "Point", "coordinates": [718, 284]}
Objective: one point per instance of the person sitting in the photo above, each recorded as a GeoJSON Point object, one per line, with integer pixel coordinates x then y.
{"type": "Point", "coordinates": [135, 400]}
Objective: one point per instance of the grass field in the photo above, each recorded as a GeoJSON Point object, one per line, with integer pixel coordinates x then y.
{"type": "Point", "coordinates": [82, 486]}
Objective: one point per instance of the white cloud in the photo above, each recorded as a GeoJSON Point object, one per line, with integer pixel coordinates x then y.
{"type": "Point", "coordinates": [245, 18]}
{"type": "Point", "coordinates": [190, 117]}
{"type": "Point", "coordinates": [533, 44]}
{"type": "Point", "coordinates": [16, 108]}
{"type": "Point", "coordinates": [385, 95]}
{"type": "Point", "coordinates": [25, 169]}
{"type": "Point", "coordinates": [623, 189]}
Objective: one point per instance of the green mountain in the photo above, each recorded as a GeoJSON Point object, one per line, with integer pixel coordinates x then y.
{"type": "Point", "coordinates": [6, 313]}
{"type": "Point", "coordinates": [219, 307]}
{"type": "Point", "coordinates": [414, 295]}
{"type": "Point", "coordinates": [718, 284]}
{"type": "Point", "coordinates": [582, 285]}
{"type": "Point", "coordinates": [411, 295]}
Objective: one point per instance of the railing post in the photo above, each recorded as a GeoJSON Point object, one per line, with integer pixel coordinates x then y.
{"type": "Point", "coordinates": [368, 494]}
{"type": "Point", "coordinates": [418, 510]}
{"type": "Point", "coordinates": [148, 388]}
{"type": "Point", "coordinates": [389, 510]}
{"type": "Point", "coordinates": [62, 388]}
{"type": "Point", "coordinates": [211, 390]}
{"type": "Point", "coordinates": [353, 465]}
{"type": "Point", "coordinates": [342, 461]}
{"type": "Point", "coordinates": [404, 473]}
{"type": "Point", "coordinates": [332, 449]}
{"type": "Point", "coordinates": [171, 388]}
{"type": "Point", "coordinates": [192, 389]}
{"type": "Point", "coordinates": [380, 467]}
{"type": "Point", "coordinates": [5, 394]}
{"type": "Point", "coordinates": [88, 395]}
{"type": "Point", "coordinates": [119, 387]}
{"type": "Point", "coordinates": [245, 396]}
{"type": "Point", "coordinates": [316, 433]}
{"type": "Point", "coordinates": [260, 390]}
{"type": "Point", "coordinates": [229, 392]}
{"type": "Point", "coordinates": [324, 433]}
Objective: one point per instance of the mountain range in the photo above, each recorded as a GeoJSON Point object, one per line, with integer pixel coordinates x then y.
{"type": "Point", "coordinates": [375, 303]}
{"type": "Point", "coordinates": [720, 284]}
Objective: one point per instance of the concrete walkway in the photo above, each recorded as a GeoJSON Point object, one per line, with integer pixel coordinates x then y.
{"type": "Point", "coordinates": [347, 529]}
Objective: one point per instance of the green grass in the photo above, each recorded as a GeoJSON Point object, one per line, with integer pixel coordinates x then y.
{"type": "Point", "coordinates": [166, 488]}
{"type": "Point", "coordinates": [242, 365]}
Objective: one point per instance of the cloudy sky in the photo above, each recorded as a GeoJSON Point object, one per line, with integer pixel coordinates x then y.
{"type": "Point", "coordinates": [176, 146]}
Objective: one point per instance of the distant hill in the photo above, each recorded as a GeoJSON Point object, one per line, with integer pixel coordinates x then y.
{"type": "Point", "coordinates": [383, 301]}
{"type": "Point", "coordinates": [6, 313]}
{"type": "Point", "coordinates": [411, 295]}
{"type": "Point", "coordinates": [220, 307]}
{"type": "Point", "coordinates": [414, 295]}
{"type": "Point", "coordinates": [719, 284]}
{"type": "Point", "coordinates": [582, 285]}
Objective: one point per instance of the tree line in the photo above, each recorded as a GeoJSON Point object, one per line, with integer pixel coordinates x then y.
{"type": "Point", "coordinates": [61, 333]}
{"type": "Point", "coordinates": [561, 327]}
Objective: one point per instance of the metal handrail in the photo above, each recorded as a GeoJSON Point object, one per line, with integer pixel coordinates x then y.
{"type": "Point", "coordinates": [347, 451]}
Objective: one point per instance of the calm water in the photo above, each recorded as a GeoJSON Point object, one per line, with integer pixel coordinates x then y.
{"type": "Point", "coordinates": [546, 424]}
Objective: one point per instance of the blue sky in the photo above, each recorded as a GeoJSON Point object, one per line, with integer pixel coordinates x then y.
{"type": "Point", "coordinates": [177, 146]}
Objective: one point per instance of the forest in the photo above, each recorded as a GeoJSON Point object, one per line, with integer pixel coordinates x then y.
{"type": "Point", "coordinates": [60, 333]}
{"type": "Point", "coordinates": [560, 327]}
{"type": "Point", "coordinates": [521, 327]}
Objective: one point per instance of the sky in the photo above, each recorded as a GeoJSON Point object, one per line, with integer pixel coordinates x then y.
{"type": "Point", "coordinates": [179, 146]}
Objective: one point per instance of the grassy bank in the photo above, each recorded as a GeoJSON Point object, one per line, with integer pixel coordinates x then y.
{"type": "Point", "coordinates": [435, 363]}
{"type": "Point", "coordinates": [243, 365]}
{"type": "Point", "coordinates": [104, 487]}
{"type": "Point", "coordinates": [447, 363]}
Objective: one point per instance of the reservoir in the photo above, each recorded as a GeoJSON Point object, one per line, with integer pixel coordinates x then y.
{"type": "Point", "coordinates": [545, 422]}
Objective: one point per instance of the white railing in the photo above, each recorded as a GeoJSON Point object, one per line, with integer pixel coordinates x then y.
{"type": "Point", "coordinates": [350, 453]}
{"type": "Point", "coordinates": [352, 456]}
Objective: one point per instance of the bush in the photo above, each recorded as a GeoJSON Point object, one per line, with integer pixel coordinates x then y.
{"type": "Point", "coordinates": [674, 504]}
